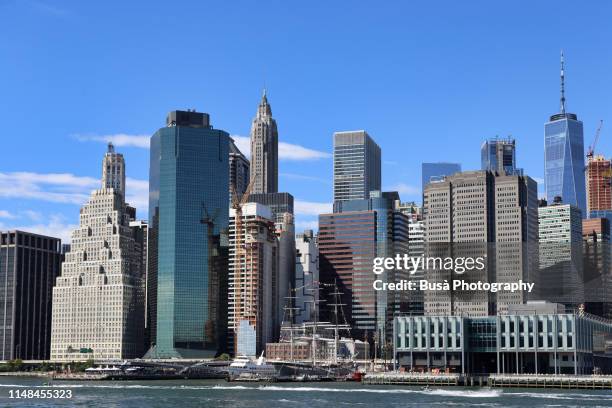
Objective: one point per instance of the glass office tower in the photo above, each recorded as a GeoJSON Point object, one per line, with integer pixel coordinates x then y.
{"type": "Point", "coordinates": [436, 171]}
{"type": "Point", "coordinates": [564, 156]}
{"type": "Point", "coordinates": [499, 155]}
{"type": "Point", "coordinates": [349, 240]}
{"type": "Point", "coordinates": [188, 203]}
{"type": "Point", "coordinates": [564, 160]}
{"type": "Point", "coordinates": [357, 168]}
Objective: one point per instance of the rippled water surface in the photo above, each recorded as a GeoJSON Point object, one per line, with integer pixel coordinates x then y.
{"type": "Point", "coordinates": [196, 393]}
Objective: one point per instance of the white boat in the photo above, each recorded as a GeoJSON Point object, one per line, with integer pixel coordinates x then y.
{"type": "Point", "coordinates": [246, 367]}
{"type": "Point", "coordinates": [104, 370]}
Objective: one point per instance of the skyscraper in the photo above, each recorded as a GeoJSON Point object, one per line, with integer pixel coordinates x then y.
{"type": "Point", "coordinates": [306, 276]}
{"type": "Point", "coordinates": [140, 232]}
{"type": "Point", "coordinates": [357, 168]}
{"type": "Point", "coordinates": [349, 240]}
{"type": "Point", "coordinates": [464, 214]}
{"type": "Point", "coordinates": [561, 254]}
{"type": "Point", "coordinates": [278, 203]}
{"type": "Point", "coordinates": [264, 149]}
{"type": "Point", "coordinates": [240, 169]}
{"type": "Point", "coordinates": [499, 155]}
{"type": "Point", "coordinates": [599, 187]}
{"type": "Point", "coordinates": [253, 280]}
{"type": "Point", "coordinates": [29, 264]}
{"type": "Point", "coordinates": [113, 171]}
{"type": "Point", "coordinates": [98, 301]}
{"type": "Point", "coordinates": [188, 203]}
{"type": "Point", "coordinates": [564, 155]}
{"type": "Point", "coordinates": [436, 171]}
{"type": "Point", "coordinates": [597, 266]}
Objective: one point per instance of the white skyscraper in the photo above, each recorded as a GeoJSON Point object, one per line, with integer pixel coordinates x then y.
{"type": "Point", "coordinates": [306, 276]}
{"type": "Point", "coordinates": [98, 301]}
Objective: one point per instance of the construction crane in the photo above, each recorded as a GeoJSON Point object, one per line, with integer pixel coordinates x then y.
{"type": "Point", "coordinates": [591, 150]}
{"type": "Point", "coordinates": [236, 204]}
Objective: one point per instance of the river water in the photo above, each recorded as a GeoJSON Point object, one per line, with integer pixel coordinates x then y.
{"type": "Point", "coordinates": [215, 393]}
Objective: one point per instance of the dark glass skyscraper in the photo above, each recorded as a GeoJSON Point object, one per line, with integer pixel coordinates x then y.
{"type": "Point", "coordinates": [188, 202]}
{"type": "Point", "coordinates": [564, 156]}
{"type": "Point", "coordinates": [29, 264]}
{"type": "Point", "coordinates": [349, 240]}
{"type": "Point", "coordinates": [436, 171]}
{"type": "Point", "coordinates": [240, 169]}
{"type": "Point", "coordinates": [499, 156]}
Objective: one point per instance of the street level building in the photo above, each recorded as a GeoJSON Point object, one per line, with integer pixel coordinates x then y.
{"type": "Point", "coordinates": [534, 338]}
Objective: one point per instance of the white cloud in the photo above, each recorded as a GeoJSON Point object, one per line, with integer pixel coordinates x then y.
{"type": "Point", "coordinates": [404, 188]}
{"type": "Point", "coordinates": [311, 208]}
{"type": "Point", "coordinates": [65, 188]}
{"type": "Point", "coordinates": [55, 227]}
{"type": "Point", "coordinates": [243, 144]}
{"type": "Point", "coordinates": [137, 194]}
{"type": "Point", "coordinates": [54, 187]}
{"type": "Point", "coordinates": [6, 214]}
{"type": "Point", "coordinates": [286, 151]}
{"type": "Point", "coordinates": [33, 215]}
{"type": "Point", "coordinates": [293, 176]}
{"type": "Point", "coordinates": [118, 139]}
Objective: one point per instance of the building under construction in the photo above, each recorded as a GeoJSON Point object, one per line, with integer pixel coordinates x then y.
{"type": "Point", "coordinates": [598, 184]}
{"type": "Point", "coordinates": [253, 278]}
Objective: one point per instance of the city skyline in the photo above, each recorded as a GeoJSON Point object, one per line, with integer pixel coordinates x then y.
{"type": "Point", "coordinates": [53, 166]}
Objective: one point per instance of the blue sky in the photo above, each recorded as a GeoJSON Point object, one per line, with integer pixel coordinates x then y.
{"type": "Point", "coordinates": [428, 80]}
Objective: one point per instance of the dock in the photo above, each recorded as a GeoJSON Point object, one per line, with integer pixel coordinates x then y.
{"type": "Point", "coordinates": [598, 382]}
{"type": "Point", "coordinates": [398, 378]}
{"type": "Point", "coordinates": [603, 382]}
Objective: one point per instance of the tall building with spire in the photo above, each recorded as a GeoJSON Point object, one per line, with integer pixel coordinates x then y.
{"type": "Point", "coordinates": [564, 155]}
{"type": "Point", "coordinates": [264, 149]}
{"type": "Point", "coordinates": [98, 301]}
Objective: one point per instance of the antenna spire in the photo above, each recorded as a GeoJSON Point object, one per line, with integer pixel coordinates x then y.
{"type": "Point", "coordinates": [562, 83]}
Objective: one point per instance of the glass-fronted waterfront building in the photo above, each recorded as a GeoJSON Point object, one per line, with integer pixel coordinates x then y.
{"type": "Point", "coordinates": [524, 341]}
{"type": "Point", "coordinates": [189, 206]}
